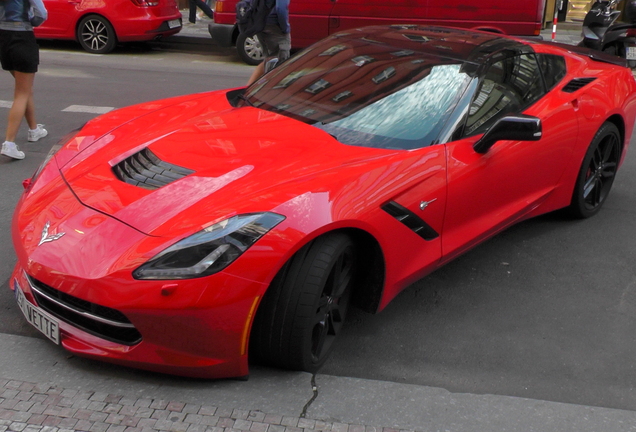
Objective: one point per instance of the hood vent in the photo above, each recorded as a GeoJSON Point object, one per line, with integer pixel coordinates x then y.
{"type": "Point", "coordinates": [146, 170]}
{"type": "Point", "coordinates": [576, 84]}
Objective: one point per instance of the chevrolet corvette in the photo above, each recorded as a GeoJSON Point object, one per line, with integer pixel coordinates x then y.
{"type": "Point", "coordinates": [195, 234]}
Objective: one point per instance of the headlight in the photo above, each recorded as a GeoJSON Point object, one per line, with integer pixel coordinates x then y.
{"type": "Point", "coordinates": [210, 250]}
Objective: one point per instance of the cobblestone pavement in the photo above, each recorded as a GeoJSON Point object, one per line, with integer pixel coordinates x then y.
{"type": "Point", "coordinates": [30, 407]}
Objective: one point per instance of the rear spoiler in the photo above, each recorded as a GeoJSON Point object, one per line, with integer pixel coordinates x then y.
{"type": "Point", "coordinates": [593, 54]}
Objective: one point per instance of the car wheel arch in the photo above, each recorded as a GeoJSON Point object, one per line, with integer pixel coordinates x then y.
{"type": "Point", "coordinates": [280, 330]}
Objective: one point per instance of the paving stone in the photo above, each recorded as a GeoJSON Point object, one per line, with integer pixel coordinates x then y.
{"type": "Point", "coordinates": [290, 421]}
{"type": "Point", "coordinates": [242, 424]}
{"type": "Point", "coordinates": [99, 397]}
{"type": "Point", "coordinates": [207, 410]}
{"type": "Point", "coordinates": [17, 426]}
{"type": "Point", "coordinates": [144, 412]}
{"type": "Point", "coordinates": [175, 406]}
{"type": "Point", "coordinates": [306, 423]}
{"type": "Point", "coordinates": [273, 419]}
{"type": "Point", "coordinates": [276, 428]}
{"type": "Point", "coordinates": [339, 427]}
{"type": "Point", "coordinates": [99, 427]}
{"type": "Point", "coordinates": [191, 408]}
{"type": "Point", "coordinates": [259, 427]}
{"type": "Point", "coordinates": [159, 404]}
{"type": "Point", "coordinates": [257, 416]}
{"type": "Point", "coordinates": [143, 403]}
{"type": "Point", "coordinates": [239, 414]}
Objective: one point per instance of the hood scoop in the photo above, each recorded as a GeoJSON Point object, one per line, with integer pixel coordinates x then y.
{"type": "Point", "coordinates": [146, 170]}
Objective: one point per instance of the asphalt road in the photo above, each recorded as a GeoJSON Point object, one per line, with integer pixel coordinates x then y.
{"type": "Point", "coordinates": [545, 310]}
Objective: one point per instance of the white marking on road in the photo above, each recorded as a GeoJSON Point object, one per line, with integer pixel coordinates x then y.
{"type": "Point", "coordinates": [65, 73]}
{"type": "Point", "coordinates": [5, 104]}
{"type": "Point", "coordinates": [88, 109]}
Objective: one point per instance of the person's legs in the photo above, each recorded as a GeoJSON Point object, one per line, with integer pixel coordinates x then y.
{"type": "Point", "coordinates": [192, 13]}
{"type": "Point", "coordinates": [23, 105]}
{"type": "Point", "coordinates": [205, 8]}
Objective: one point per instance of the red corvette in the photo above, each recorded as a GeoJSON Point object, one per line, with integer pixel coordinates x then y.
{"type": "Point", "coordinates": [182, 235]}
{"type": "Point", "coordinates": [99, 24]}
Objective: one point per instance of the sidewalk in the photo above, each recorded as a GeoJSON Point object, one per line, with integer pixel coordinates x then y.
{"type": "Point", "coordinates": [43, 388]}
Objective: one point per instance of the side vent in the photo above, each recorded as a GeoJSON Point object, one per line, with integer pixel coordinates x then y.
{"type": "Point", "coordinates": [576, 84]}
{"type": "Point", "coordinates": [411, 220]}
{"type": "Point", "coordinates": [146, 170]}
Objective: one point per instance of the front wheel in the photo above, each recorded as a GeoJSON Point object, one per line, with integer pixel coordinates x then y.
{"type": "Point", "coordinates": [249, 49]}
{"type": "Point", "coordinates": [597, 172]}
{"type": "Point", "coordinates": [304, 308]}
{"type": "Point", "coordinates": [96, 35]}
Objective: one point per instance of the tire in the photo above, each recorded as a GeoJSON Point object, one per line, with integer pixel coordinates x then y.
{"type": "Point", "coordinates": [249, 49]}
{"type": "Point", "coordinates": [96, 35]}
{"type": "Point", "coordinates": [304, 308]}
{"type": "Point", "coordinates": [597, 172]}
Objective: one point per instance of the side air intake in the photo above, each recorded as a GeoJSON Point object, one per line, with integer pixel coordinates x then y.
{"type": "Point", "coordinates": [411, 220]}
{"type": "Point", "coordinates": [146, 170]}
{"type": "Point", "coordinates": [577, 84]}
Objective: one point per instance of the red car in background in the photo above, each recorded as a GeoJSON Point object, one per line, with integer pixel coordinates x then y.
{"type": "Point", "coordinates": [99, 24]}
{"type": "Point", "coordinates": [312, 20]}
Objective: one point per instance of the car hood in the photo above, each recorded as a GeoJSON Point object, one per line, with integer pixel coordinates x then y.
{"type": "Point", "coordinates": [237, 160]}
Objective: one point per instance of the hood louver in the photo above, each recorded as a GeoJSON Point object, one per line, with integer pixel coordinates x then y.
{"type": "Point", "coordinates": [576, 84]}
{"type": "Point", "coordinates": [146, 170]}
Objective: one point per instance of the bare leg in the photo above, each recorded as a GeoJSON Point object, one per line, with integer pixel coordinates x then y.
{"type": "Point", "coordinates": [23, 105]}
{"type": "Point", "coordinates": [258, 72]}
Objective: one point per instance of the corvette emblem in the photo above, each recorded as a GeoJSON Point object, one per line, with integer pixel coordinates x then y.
{"type": "Point", "coordinates": [45, 238]}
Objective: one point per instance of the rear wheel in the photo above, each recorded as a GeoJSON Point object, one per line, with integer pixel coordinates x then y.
{"type": "Point", "coordinates": [304, 309]}
{"type": "Point", "coordinates": [597, 172]}
{"type": "Point", "coordinates": [249, 49]}
{"type": "Point", "coordinates": [96, 35]}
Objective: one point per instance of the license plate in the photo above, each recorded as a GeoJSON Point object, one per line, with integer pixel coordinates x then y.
{"type": "Point", "coordinates": [174, 23]}
{"type": "Point", "coordinates": [39, 319]}
{"type": "Point", "coordinates": [631, 53]}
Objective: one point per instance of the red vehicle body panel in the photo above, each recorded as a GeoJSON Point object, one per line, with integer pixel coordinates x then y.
{"type": "Point", "coordinates": [131, 22]}
{"type": "Point", "coordinates": [312, 20]}
{"type": "Point", "coordinates": [251, 160]}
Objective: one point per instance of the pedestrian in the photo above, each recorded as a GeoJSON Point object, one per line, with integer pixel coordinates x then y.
{"type": "Point", "coordinates": [192, 16]}
{"type": "Point", "coordinates": [20, 55]}
{"type": "Point", "coordinates": [275, 38]}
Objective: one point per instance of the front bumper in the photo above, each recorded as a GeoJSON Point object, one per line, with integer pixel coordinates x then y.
{"type": "Point", "coordinates": [206, 339]}
{"type": "Point", "coordinates": [222, 34]}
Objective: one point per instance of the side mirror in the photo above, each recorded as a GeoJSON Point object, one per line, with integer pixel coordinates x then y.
{"type": "Point", "coordinates": [510, 128]}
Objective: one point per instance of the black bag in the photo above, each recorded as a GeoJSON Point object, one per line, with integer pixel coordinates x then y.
{"type": "Point", "coordinates": [251, 15]}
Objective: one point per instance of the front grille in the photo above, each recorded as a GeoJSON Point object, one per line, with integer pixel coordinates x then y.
{"type": "Point", "coordinates": [576, 84]}
{"type": "Point", "coordinates": [104, 322]}
{"type": "Point", "coordinates": [146, 170]}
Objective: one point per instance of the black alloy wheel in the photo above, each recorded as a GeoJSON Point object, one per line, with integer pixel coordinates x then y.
{"type": "Point", "coordinates": [597, 172]}
{"type": "Point", "coordinates": [304, 309]}
{"type": "Point", "coordinates": [96, 35]}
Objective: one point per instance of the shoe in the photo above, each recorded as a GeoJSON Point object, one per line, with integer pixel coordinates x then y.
{"type": "Point", "coordinates": [37, 133]}
{"type": "Point", "coordinates": [11, 150]}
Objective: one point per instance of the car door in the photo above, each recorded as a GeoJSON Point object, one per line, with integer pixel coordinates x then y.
{"type": "Point", "coordinates": [488, 192]}
{"type": "Point", "coordinates": [309, 20]}
{"type": "Point", "coordinates": [60, 23]}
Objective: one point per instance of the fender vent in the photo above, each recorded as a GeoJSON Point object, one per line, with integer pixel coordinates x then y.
{"type": "Point", "coordinates": [411, 220]}
{"type": "Point", "coordinates": [146, 170]}
{"type": "Point", "coordinates": [576, 84]}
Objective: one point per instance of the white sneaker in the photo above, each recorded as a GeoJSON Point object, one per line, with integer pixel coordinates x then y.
{"type": "Point", "coordinates": [11, 150]}
{"type": "Point", "coordinates": [37, 133]}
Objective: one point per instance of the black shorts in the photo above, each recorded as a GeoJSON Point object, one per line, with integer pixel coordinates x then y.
{"type": "Point", "coordinates": [19, 51]}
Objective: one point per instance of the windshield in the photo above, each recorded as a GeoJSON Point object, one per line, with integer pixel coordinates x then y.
{"type": "Point", "coordinates": [365, 93]}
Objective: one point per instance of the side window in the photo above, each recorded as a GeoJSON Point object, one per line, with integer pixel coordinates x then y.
{"type": "Point", "coordinates": [553, 68]}
{"type": "Point", "coordinates": [509, 86]}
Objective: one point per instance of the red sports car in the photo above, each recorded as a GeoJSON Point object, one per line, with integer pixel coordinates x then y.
{"type": "Point", "coordinates": [187, 234]}
{"type": "Point", "coordinates": [99, 24]}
